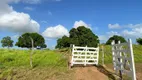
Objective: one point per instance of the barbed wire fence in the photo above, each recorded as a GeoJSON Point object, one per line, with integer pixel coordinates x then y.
{"type": "Point", "coordinates": [64, 56]}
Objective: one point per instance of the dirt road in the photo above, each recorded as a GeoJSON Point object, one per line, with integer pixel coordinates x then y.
{"type": "Point", "coordinates": [89, 73]}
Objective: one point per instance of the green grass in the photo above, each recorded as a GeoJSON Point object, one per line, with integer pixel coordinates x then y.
{"type": "Point", "coordinates": [48, 58]}
{"type": "Point", "coordinates": [20, 58]}
{"type": "Point", "coordinates": [137, 49]}
{"type": "Point", "coordinates": [17, 62]}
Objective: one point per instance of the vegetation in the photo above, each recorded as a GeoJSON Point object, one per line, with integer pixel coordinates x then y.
{"type": "Point", "coordinates": [80, 36]}
{"type": "Point", "coordinates": [14, 63]}
{"type": "Point", "coordinates": [116, 38]}
{"type": "Point", "coordinates": [139, 41]}
{"type": "Point", "coordinates": [20, 58]}
{"type": "Point", "coordinates": [63, 42]}
{"type": "Point", "coordinates": [7, 42]}
{"type": "Point", "coordinates": [25, 40]}
{"type": "Point", "coordinates": [108, 54]}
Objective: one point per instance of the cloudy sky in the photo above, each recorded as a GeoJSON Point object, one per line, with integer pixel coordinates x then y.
{"type": "Point", "coordinates": [54, 18]}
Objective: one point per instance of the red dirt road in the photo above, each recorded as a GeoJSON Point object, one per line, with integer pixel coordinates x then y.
{"type": "Point", "coordinates": [89, 73]}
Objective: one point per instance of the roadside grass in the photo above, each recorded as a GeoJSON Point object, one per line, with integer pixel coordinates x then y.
{"type": "Point", "coordinates": [20, 58]}
{"type": "Point", "coordinates": [45, 62]}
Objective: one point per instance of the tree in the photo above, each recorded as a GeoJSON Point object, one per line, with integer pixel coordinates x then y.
{"type": "Point", "coordinates": [80, 36]}
{"type": "Point", "coordinates": [63, 42]}
{"type": "Point", "coordinates": [31, 40]}
{"type": "Point", "coordinates": [86, 37]}
{"type": "Point", "coordinates": [7, 42]}
{"type": "Point", "coordinates": [139, 41]}
{"type": "Point", "coordinates": [43, 46]}
{"type": "Point", "coordinates": [116, 38]}
{"type": "Point", "coordinates": [74, 36]}
{"type": "Point", "coordinates": [25, 40]}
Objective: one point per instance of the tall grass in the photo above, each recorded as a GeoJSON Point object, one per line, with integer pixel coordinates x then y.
{"type": "Point", "coordinates": [15, 63]}
{"type": "Point", "coordinates": [48, 58]}
{"type": "Point", "coordinates": [137, 49]}
{"type": "Point", "coordinates": [20, 58]}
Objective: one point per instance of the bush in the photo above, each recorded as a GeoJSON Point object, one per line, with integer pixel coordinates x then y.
{"type": "Point", "coordinates": [139, 41]}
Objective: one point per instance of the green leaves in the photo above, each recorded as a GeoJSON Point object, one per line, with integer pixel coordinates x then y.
{"type": "Point", "coordinates": [64, 42]}
{"type": "Point", "coordinates": [7, 42]}
{"type": "Point", "coordinates": [116, 38]}
{"type": "Point", "coordinates": [139, 41]}
{"type": "Point", "coordinates": [81, 37]}
{"type": "Point", "coordinates": [25, 41]}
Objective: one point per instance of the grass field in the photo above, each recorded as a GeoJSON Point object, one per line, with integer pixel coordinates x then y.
{"type": "Point", "coordinates": [43, 60]}
{"type": "Point", "coordinates": [47, 64]}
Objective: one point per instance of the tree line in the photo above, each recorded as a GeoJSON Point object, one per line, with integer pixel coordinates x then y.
{"type": "Point", "coordinates": [25, 41]}
{"type": "Point", "coordinates": [80, 36]}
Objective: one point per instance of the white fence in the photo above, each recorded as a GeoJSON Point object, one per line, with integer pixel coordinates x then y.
{"type": "Point", "coordinates": [123, 58]}
{"type": "Point", "coordinates": [84, 55]}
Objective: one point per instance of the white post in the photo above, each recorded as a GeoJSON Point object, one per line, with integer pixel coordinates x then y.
{"type": "Point", "coordinates": [113, 54]}
{"type": "Point", "coordinates": [85, 56]}
{"type": "Point", "coordinates": [120, 54]}
{"type": "Point", "coordinates": [98, 54]}
{"type": "Point", "coordinates": [72, 55]}
{"type": "Point", "coordinates": [132, 60]}
{"type": "Point", "coordinates": [120, 60]}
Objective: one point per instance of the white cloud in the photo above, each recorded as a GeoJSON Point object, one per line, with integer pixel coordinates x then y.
{"type": "Point", "coordinates": [15, 36]}
{"type": "Point", "coordinates": [16, 21]}
{"type": "Point", "coordinates": [114, 26]}
{"type": "Point", "coordinates": [134, 33]}
{"type": "Point", "coordinates": [28, 8]}
{"type": "Point", "coordinates": [132, 30]}
{"type": "Point", "coordinates": [31, 1]}
{"type": "Point", "coordinates": [80, 23]}
{"type": "Point", "coordinates": [103, 37]}
{"type": "Point", "coordinates": [111, 33]}
{"type": "Point", "coordinates": [4, 7]}
{"type": "Point", "coordinates": [134, 25]}
{"type": "Point", "coordinates": [23, 1]}
{"type": "Point", "coordinates": [55, 32]}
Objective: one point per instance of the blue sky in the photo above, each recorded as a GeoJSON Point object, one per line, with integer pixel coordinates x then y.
{"type": "Point", "coordinates": [54, 18]}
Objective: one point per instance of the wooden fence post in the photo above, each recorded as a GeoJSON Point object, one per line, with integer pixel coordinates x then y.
{"type": "Point", "coordinates": [102, 55]}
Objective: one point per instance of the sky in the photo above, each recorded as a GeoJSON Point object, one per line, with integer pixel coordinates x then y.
{"type": "Point", "coordinates": [54, 18]}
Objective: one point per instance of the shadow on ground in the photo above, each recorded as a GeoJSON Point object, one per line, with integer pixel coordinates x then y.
{"type": "Point", "coordinates": [103, 70]}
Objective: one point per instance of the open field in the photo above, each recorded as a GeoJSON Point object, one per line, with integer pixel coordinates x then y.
{"type": "Point", "coordinates": [44, 61]}
{"type": "Point", "coordinates": [53, 65]}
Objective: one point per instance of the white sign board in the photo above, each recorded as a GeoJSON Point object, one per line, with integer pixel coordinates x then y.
{"type": "Point", "coordinates": [123, 58]}
{"type": "Point", "coordinates": [84, 55]}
